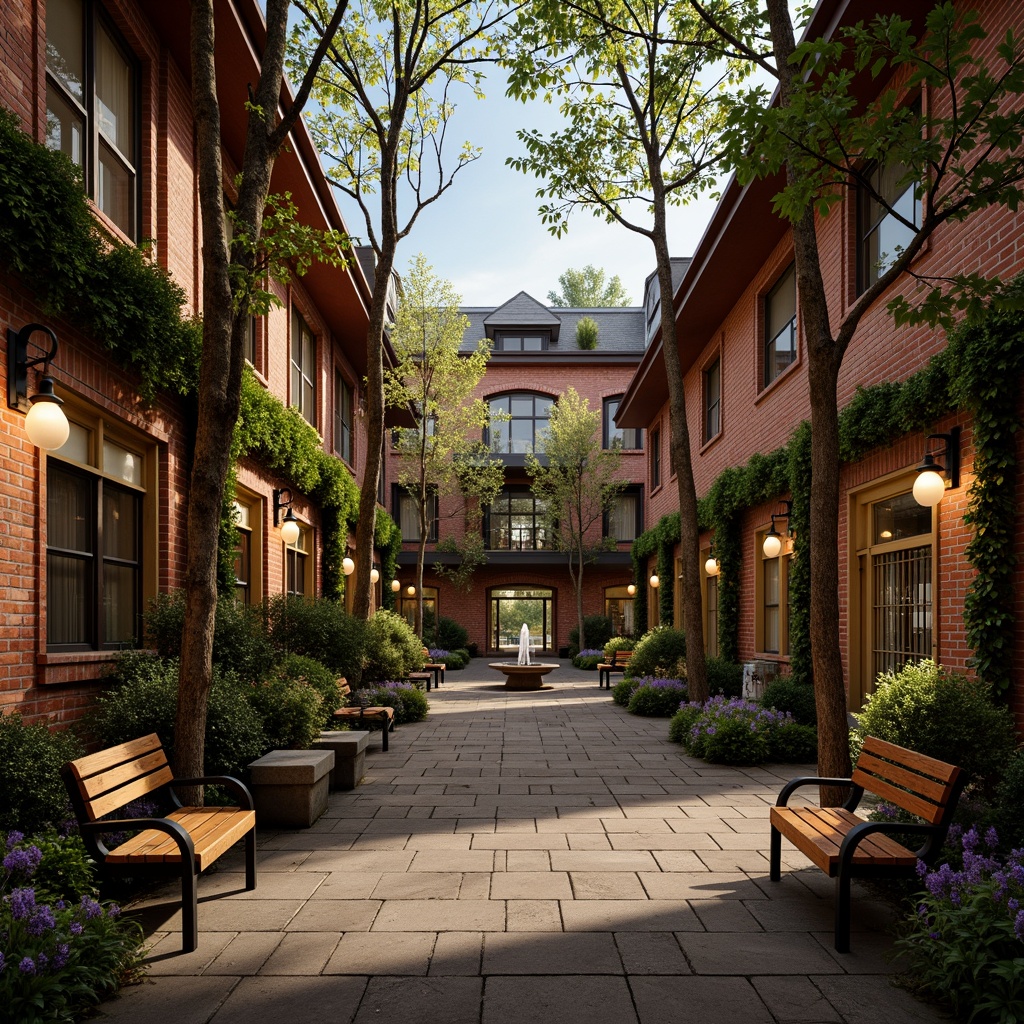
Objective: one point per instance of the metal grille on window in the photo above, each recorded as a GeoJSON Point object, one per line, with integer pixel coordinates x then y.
{"type": "Point", "coordinates": [902, 607]}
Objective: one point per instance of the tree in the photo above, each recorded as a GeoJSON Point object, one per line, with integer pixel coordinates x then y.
{"type": "Point", "coordinates": [576, 485]}
{"type": "Point", "coordinates": [829, 132]}
{"type": "Point", "coordinates": [643, 134]}
{"type": "Point", "coordinates": [230, 295]}
{"type": "Point", "coordinates": [585, 289]}
{"type": "Point", "coordinates": [444, 455]}
{"type": "Point", "coordinates": [385, 98]}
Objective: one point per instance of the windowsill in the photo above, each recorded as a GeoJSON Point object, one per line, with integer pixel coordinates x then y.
{"type": "Point", "coordinates": [258, 375]}
{"type": "Point", "coordinates": [75, 657]}
{"type": "Point", "coordinates": [785, 375]}
{"type": "Point", "coordinates": [115, 233]}
{"type": "Point", "coordinates": [771, 656]}
{"type": "Point", "coordinates": [710, 442]}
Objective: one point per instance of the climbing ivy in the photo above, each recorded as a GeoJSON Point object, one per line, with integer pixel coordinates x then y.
{"type": "Point", "coordinates": [979, 372]}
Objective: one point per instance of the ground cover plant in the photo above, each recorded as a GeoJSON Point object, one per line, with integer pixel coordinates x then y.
{"type": "Point", "coordinates": [597, 630]}
{"type": "Point", "coordinates": [658, 652]}
{"type": "Point", "coordinates": [410, 702]}
{"type": "Point", "coordinates": [656, 698]}
{"type": "Point", "coordinates": [588, 659]}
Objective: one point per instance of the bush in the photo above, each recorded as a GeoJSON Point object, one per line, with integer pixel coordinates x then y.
{"type": "Point", "coordinates": [321, 678]}
{"type": "Point", "coordinates": [291, 710]}
{"type": "Point", "coordinates": [452, 660]}
{"type": "Point", "coordinates": [942, 715]}
{"type": "Point", "coordinates": [410, 702]}
{"type": "Point", "coordinates": [794, 743]}
{"type": "Point", "coordinates": [622, 691]}
{"type": "Point", "coordinates": [58, 958]}
{"type": "Point", "coordinates": [144, 697]}
{"type": "Point", "coordinates": [965, 942]}
{"type": "Point", "coordinates": [586, 332]}
{"type": "Point", "coordinates": [241, 642]}
{"type": "Point", "coordinates": [65, 871]}
{"type": "Point", "coordinates": [392, 649]}
{"type": "Point", "coordinates": [444, 633]}
{"type": "Point", "coordinates": [589, 659]}
{"type": "Point", "coordinates": [1009, 803]}
{"type": "Point", "coordinates": [786, 694]}
{"type": "Point", "coordinates": [597, 630]}
{"type": "Point", "coordinates": [724, 677]}
{"type": "Point", "coordinates": [658, 652]}
{"type": "Point", "coordinates": [319, 629]}
{"type": "Point", "coordinates": [684, 720]}
{"type": "Point", "coordinates": [618, 643]}
{"type": "Point", "coordinates": [32, 794]}
{"type": "Point", "coordinates": [657, 698]}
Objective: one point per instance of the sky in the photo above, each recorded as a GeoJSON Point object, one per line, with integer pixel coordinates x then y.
{"type": "Point", "coordinates": [484, 234]}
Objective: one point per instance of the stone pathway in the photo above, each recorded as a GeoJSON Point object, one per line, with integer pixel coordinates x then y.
{"type": "Point", "coordinates": [523, 858]}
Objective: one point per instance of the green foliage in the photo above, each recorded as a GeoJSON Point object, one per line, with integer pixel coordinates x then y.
{"type": "Point", "coordinates": [410, 702]}
{"type": "Point", "coordinates": [32, 794]}
{"type": "Point", "coordinates": [58, 958]}
{"type": "Point", "coordinates": [586, 333]}
{"type": "Point", "coordinates": [291, 710]}
{"type": "Point", "coordinates": [144, 697]}
{"type": "Point", "coordinates": [392, 650]}
{"type": "Point", "coordinates": [942, 715]}
{"type": "Point", "coordinates": [657, 698]}
{"type": "Point", "coordinates": [320, 629]}
{"type": "Point", "coordinates": [113, 292]}
{"type": "Point", "coordinates": [784, 693]}
{"type": "Point", "coordinates": [318, 676]}
{"type": "Point", "coordinates": [587, 662]}
{"type": "Point", "coordinates": [683, 721]}
{"type": "Point", "coordinates": [622, 691]}
{"type": "Point", "coordinates": [66, 871]}
{"type": "Point", "coordinates": [618, 643]}
{"type": "Point", "coordinates": [1009, 803]}
{"type": "Point", "coordinates": [586, 289]}
{"type": "Point", "coordinates": [741, 732]}
{"type": "Point", "coordinates": [444, 633]}
{"type": "Point", "coordinates": [657, 652]}
{"type": "Point", "coordinates": [597, 629]}
{"type": "Point", "coordinates": [725, 677]}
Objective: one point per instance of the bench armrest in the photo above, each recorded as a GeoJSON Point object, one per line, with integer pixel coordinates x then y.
{"type": "Point", "coordinates": [852, 838]}
{"type": "Point", "coordinates": [235, 786]}
{"type": "Point", "coordinates": [177, 832]}
{"type": "Point", "coordinates": [813, 780]}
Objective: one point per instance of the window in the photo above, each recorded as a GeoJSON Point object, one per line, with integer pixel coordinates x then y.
{"type": "Point", "coordinates": [342, 417]}
{"type": "Point", "coordinates": [94, 509]}
{"type": "Point", "coordinates": [772, 592]}
{"type": "Point", "coordinates": [710, 613]}
{"type": "Point", "coordinates": [407, 515]}
{"type": "Point", "coordinates": [243, 554]}
{"type": "Point", "coordinates": [298, 566]}
{"type": "Point", "coordinates": [250, 341]}
{"type": "Point", "coordinates": [713, 400]}
{"type": "Point", "coordinates": [92, 106]}
{"type": "Point", "coordinates": [656, 458]}
{"type": "Point", "coordinates": [303, 368]}
{"type": "Point", "coordinates": [407, 605]}
{"type": "Point", "coordinates": [780, 325]}
{"type": "Point", "coordinates": [630, 438]}
{"type": "Point", "coordinates": [515, 522]}
{"type": "Point", "coordinates": [622, 522]}
{"type": "Point", "coordinates": [880, 231]}
{"type": "Point", "coordinates": [618, 606]}
{"type": "Point", "coordinates": [517, 421]}
{"type": "Point", "coordinates": [535, 341]}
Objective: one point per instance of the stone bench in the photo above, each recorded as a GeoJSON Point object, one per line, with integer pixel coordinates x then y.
{"type": "Point", "coordinates": [289, 787]}
{"type": "Point", "coordinates": [349, 755]}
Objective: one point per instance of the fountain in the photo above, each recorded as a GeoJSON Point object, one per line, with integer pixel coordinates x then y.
{"type": "Point", "coordinates": [524, 674]}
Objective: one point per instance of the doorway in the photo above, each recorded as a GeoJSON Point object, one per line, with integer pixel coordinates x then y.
{"type": "Point", "coordinates": [510, 607]}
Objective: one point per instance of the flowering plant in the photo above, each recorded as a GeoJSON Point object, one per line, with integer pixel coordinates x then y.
{"type": "Point", "coordinates": [656, 697]}
{"type": "Point", "coordinates": [966, 942]}
{"type": "Point", "coordinates": [410, 702]}
{"type": "Point", "coordinates": [437, 653]}
{"type": "Point", "coordinates": [56, 958]}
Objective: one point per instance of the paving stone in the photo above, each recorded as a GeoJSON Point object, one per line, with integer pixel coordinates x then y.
{"type": "Point", "coordinates": [682, 1000]}
{"type": "Point", "coordinates": [335, 916]}
{"type": "Point", "coordinates": [457, 953]}
{"type": "Point", "coordinates": [757, 953]}
{"type": "Point", "coordinates": [599, 860]}
{"type": "Point", "coordinates": [165, 957]}
{"type": "Point", "coordinates": [347, 885]}
{"type": "Point", "coordinates": [860, 1000]}
{"type": "Point", "coordinates": [421, 1001]}
{"type": "Point", "coordinates": [373, 953]}
{"type": "Point", "coordinates": [606, 885]}
{"type": "Point", "coordinates": [301, 953]}
{"type": "Point", "coordinates": [476, 885]}
{"type": "Point", "coordinates": [533, 916]}
{"type": "Point", "coordinates": [629, 915]}
{"type": "Point", "coordinates": [424, 916]}
{"type": "Point", "coordinates": [575, 1000]}
{"type": "Point", "coordinates": [295, 1000]}
{"type": "Point", "coordinates": [531, 885]}
{"type": "Point", "coordinates": [651, 953]}
{"type": "Point", "coordinates": [167, 1000]}
{"type": "Point", "coordinates": [795, 1000]}
{"type": "Point", "coordinates": [725, 916]}
{"type": "Point", "coordinates": [526, 860]}
{"type": "Point", "coordinates": [548, 953]}
{"type": "Point", "coordinates": [452, 860]}
{"type": "Point", "coordinates": [697, 885]}
{"type": "Point", "coordinates": [245, 954]}
{"type": "Point", "coordinates": [418, 885]}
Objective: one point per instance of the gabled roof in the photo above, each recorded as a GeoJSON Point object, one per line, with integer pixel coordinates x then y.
{"type": "Point", "coordinates": [522, 310]}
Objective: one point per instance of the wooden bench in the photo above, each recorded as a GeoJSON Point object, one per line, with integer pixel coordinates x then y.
{"type": "Point", "coordinates": [620, 659]}
{"type": "Point", "coordinates": [437, 667]}
{"type": "Point", "coordinates": [366, 712]}
{"type": "Point", "coordinates": [188, 839]}
{"type": "Point", "coordinates": [845, 846]}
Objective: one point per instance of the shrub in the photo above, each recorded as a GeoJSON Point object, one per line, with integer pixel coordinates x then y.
{"type": "Point", "coordinates": [787, 694]}
{"type": "Point", "coordinates": [597, 630]}
{"type": "Point", "coordinates": [241, 642]}
{"type": "Point", "coordinates": [410, 702]}
{"type": "Point", "coordinates": [291, 710]}
{"type": "Point", "coordinates": [444, 633]}
{"type": "Point", "coordinates": [586, 332]}
{"type": "Point", "coordinates": [452, 660]}
{"type": "Point", "coordinates": [623, 690]}
{"type": "Point", "coordinates": [144, 698]}
{"type": "Point", "coordinates": [65, 871]}
{"type": "Point", "coordinates": [794, 743]}
{"type": "Point", "coordinates": [32, 794]}
{"type": "Point", "coordinates": [657, 698]}
{"type": "Point", "coordinates": [965, 942]}
{"type": "Point", "coordinates": [618, 643]}
{"type": "Point", "coordinates": [58, 958]}
{"type": "Point", "coordinates": [1009, 803]}
{"type": "Point", "coordinates": [657, 652]}
{"type": "Point", "coordinates": [319, 629]}
{"type": "Point", "coordinates": [321, 678]}
{"type": "Point", "coordinates": [392, 649]}
{"type": "Point", "coordinates": [588, 659]}
{"type": "Point", "coordinates": [942, 715]}
{"type": "Point", "coordinates": [724, 677]}
{"type": "Point", "coordinates": [741, 732]}
{"type": "Point", "coordinates": [684, 720]}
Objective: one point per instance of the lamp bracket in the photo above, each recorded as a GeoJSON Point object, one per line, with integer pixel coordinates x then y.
{"type": "Point", "coordinates": [18, 363]}
{"type": "Point", "coordinates": [950, 455]}
{"type": "Point", "coordinates": [281, 503]}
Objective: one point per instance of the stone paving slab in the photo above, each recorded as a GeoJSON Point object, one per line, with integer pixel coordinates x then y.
{"type": "Point", "coordinates": [524, 858]}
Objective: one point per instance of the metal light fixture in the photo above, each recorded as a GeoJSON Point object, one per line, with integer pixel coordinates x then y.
{"type": "Point", "coordinates": [772, 545]}
{"type": "Point", "coordinates": [348, 566]}
{"type": "Point", "coordinates": [46, 425]}
{"type": "Point", "coordinates": [374, 575]}
{"type": "Point", "coordinates": [410, 590]}
{"type": "Point", "coordinates": [631, 589]}
{"type": "Point", "coordinates": [929, 485]}
{"type": "Point", "coordinates": [711, 566]}
{"type": "Point", "coordinates": [288, 523]}
{"type": "Point", "coordinates": [396, 586]}
{"type": "Point", "coordinates": [654, 581]}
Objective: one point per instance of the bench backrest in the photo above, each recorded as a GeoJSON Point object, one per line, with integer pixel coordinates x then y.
{"type": "Point", "coordinates": [621, 658]}
{"type": "Point", "coordinates": [919, 784]}
{"type": "Point", "coordinates": [102, 782]}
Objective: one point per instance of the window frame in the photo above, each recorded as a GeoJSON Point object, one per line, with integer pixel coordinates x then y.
{"type": "Point", "coordinates": [656, 457]}
{"type": "Point", "coordinates": [782, 605]}
{"type": "Point", "coordinates": [399, 495]}
{"type": "Point", "coordinates": [712, 404]}
{"type": "Point", "coordinates": [298, 564]}
{"type": "Point", "coordinates": [94, 20]}
{"type": "Point", "coordinates": [501, 337]}
{"type": "Point", "coordinates": [344, 426]}
{"type": "Point", "coordinates": [632, 491]}
{"type": "Point", "coordinates": [610, 433]}
{"type": "Point", "coordinates": [769, 349]}
{"type": "Point", "coordinates": [538, 528]}
{"type": "Point", "coordinates": [297, 402]}
{"type": "Point", "coordinates": [868, 224]}
{"type": "Point", "coordinates": [508, 397]}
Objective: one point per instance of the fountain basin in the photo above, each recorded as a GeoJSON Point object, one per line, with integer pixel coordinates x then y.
{"type": "Point", "coordinates": [522, 677]}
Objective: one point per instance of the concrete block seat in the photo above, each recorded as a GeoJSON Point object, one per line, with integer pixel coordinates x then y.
{"type": "Point", "coordinates": [289, 787]}
{"type": "Point", "coordinates": [349, 755]}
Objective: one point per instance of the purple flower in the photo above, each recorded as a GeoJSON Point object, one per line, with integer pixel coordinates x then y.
{"type": "Point", "coordinates": [3, 961]}
{"type": "Point", "coordinates": [76, 928]}
{"type": "Point", "coordinates": [23, 861]}
{"type": "Point", "coordinates": [23, 902]}
{"type": "Point", "coordinates": [27, 965]}
{"type": "Point", "coordinates": [42, 920]}
{"type": "Point", "coordinates": [13, 838]}
{"type": "Point", "coordinates": [991, 838]}
{"type": "Point", "coordinates": [61, 956]}
{"type": "Point", "coordinates": [1018, 926]}
{"type": "Point", "coordinates": [113, 910]}
{"type": "Point", "coordinates": [91, 907]}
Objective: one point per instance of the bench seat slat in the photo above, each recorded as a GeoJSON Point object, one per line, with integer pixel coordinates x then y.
{"type": "Point", "coordinates": [926, 809]}
{"type": "Point", "coordinates": [92, 764]}
{"type": "Point", "coordinates": [100, 783]}
{"type": "Point", "coordinates": [213, 831]}
{"type": "Point", "coordinates": [116, 798]}
{"type": "Point", "coordinates": [921, 763]}
{"type": "Point", "coordinates": [935, 790]}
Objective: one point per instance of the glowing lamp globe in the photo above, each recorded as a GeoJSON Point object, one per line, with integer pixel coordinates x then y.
{"type": "Point", "coordinates": [655, 581]}
{"type": "Point", "coordinates": [46, 425]}
{"type": "Point", "coordinates": [711, 566]}
{"type": "Point", "coordinates": [772, 545]}
{"type": "Point", "coordinates": [395, 586]}
{"type": "Point", "coordinates": [290, 529]}
{"type": "Point", "coordinates": [348, 566]}
{"type": "Point", "coordinates": [929, 488]}
{"type": "Point", "coordinates": [374, 575]}
{"type": "Point", "coordinates": [631, 589]}
{"type": "Point", "coordinates": [410, 590]}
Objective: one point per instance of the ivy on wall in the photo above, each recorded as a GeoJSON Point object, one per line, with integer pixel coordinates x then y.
{"type": "Point", "coordinates": [979, 372]}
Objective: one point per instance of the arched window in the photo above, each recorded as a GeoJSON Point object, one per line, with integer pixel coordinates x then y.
{"type": "Point", "coordinates": [516, 421]}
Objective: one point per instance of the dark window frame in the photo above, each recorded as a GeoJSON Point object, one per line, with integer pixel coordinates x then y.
{"type": "Point", "coordinates": [306, 375]}
{"type": "Point", "coordinates": [871, 216]}
{"type": "Point", "coordinates": [344, 418]}
{"type": "Point", "coordinates": [772, 369]}
{"type": "Point", "coordinates": [506, 425]}
{"type": "Point", "coordinates": [656, 457]}
{"type": "Point", "coordinates": [712, 401]}
{"type": "Point", "coordinates": [398, 495]}
{"type": "Point", "coordinates": [610, 432]}
{"type": "Point", "coordinates": [536, 530]}
{"type": "Point", "coordinates": [502, 338]}
{"type": "Point", "coordinates": [633, 490]}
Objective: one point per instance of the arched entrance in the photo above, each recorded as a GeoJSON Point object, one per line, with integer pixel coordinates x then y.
{"type": "Point", "coordinates": [510, 607]}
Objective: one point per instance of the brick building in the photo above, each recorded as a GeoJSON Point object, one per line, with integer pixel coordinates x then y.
{"type": "Point", "coordinates": [903, 571]}
{"type": "Point", "coordinates": [92, 531]}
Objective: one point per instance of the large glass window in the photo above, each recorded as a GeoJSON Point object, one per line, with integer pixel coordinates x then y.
{"type": "Point", "coordinates": [780, 325]}
{"type": "Point", "coordinates": [713, 400]}
{"type": "Point", "coordinates": [94, 544]}
{"type": "Point", "coordinates": [342, 417]}
{"type": "Point", "coordinates": [515, 522]}
{"type": "Point", "coordinates": [534, 341]}
{"type": "Point", "coordinates": [517, 420]}
{"type": "Point", "coordinates": [772, 590]}
{"type": "Point", "coordinates": [298, 566]}
{"type": "Point", "coordinates": [882, 232]}
{"type": "Point", "coordinates": [656, 458]}
{"type": "Point", "coordinates": [622, 522]}
{"type": "Point", "coordinates": [91, 106]}
{"type": "Point", "coordinates": [407, 515]}
{"type": "Point", "coordinates": [303, 368]}
{"type": "Point", "coordinates": [618, 606]}
{"type": "Point", "coordinates": [630, 438]}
